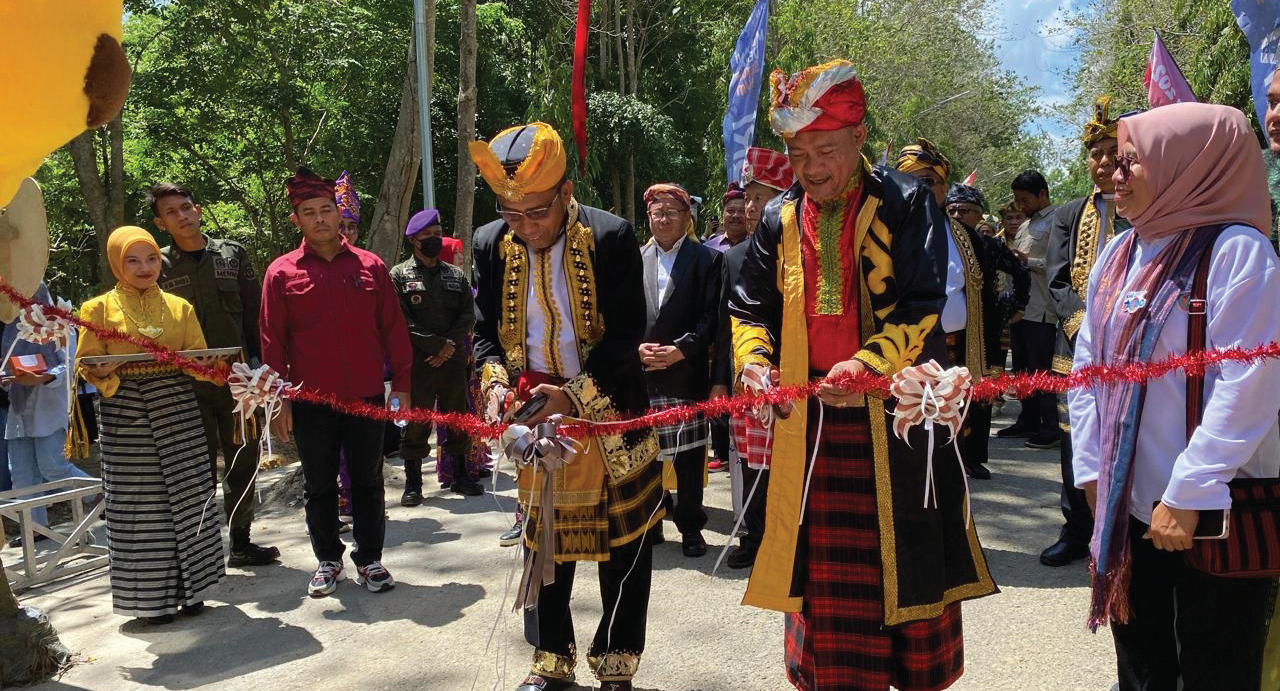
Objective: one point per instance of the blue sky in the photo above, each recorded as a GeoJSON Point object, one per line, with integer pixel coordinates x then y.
{"type": "Point", "coordinates": [1033, 41]}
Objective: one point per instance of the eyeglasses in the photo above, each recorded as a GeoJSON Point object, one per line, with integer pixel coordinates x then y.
{"type": "Point", "coordinates": [929, 181]}
{"type": "Point", "coordinates": [663, 215]}
{"type": "Point", "coordinates": [535, 215]}
{"type": "Point", "coordinates": [958, 210]}
{"type": "Point", "coordinates": [1125, 164]}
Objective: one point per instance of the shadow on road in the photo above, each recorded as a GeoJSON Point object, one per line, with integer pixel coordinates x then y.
{"type": "Point", "coordinates": [1020, 570]}
{"type": "Point", "coordinates": [194, 652]}
{"type": "Point", "coordinates": [425, 605]}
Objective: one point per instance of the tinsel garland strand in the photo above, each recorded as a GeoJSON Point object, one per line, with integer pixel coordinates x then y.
{"type": "Point", "coordinates": [988, 389]}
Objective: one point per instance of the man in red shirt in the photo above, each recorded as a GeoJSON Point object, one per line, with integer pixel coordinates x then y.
{"type": "Point", "coordinates": [323, 298]}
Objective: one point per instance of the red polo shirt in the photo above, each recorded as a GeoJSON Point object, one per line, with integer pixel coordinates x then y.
{"type": "Point", "coordinates": [334, 325]}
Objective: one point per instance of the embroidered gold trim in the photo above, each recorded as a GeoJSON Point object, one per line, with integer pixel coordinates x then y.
{"type": "Point", "coordinates": [511, 323]}
{"type": "Point", "coordinates": [1071, 326]}
{"type": "Point", "coordinates": [555, 666]}
{"type": "Point", "coordinates": [1061, 364]}
{"type": "Point", "coordinates": [1085, 251]}
{"type": "Point", "coordinates": [874, 362]}
{"type": "Point", "coordinates": [620, 459]}
{"type": "Point", "coordinates": [974, 338]}
{"type": "Point", "coordinates": [619, 666]}
{"type": "Point", "coordinates": [493, 373]}
{"type": "Point", "coordinates": [580, 277]}
{"type": "Point", "coordinates": [832, 263]}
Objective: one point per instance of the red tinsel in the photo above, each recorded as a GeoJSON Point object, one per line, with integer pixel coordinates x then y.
{"type": "Point", "coordinates": [742, 404]}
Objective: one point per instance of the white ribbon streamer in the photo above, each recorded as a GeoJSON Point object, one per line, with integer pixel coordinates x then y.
{"type": "Point", "coordinates": [929, 395]}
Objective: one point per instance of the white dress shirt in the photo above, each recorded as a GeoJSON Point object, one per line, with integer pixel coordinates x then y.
{"type": "Point", "coordinates": [955, 312]}
{"type": "Point", "coordinates": [666, 261]}
{"type": "Point", "coordinates": [1238, 435]}
{"type": "Point", "coordinates": [550, 341]}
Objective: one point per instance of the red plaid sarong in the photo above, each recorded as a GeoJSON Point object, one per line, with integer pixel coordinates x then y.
{"type": "Point", "coordinates": [839, 641]}
{"type": "Point", "coordinates": [752, 440]}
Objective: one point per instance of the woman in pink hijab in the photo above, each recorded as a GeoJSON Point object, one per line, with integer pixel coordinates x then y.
{"type": "Point", "coordinates": [1190, 178]}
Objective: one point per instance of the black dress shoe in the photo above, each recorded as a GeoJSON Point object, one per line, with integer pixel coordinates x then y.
{"type": "Point", "coordinates": [1015, 430]}
{"type": "Point", "coordinates": [693, 545]}
{"type": "Point", "coordinates": [741, 558]}
{"type": "Point", "coordinates": [1062, 553]}
{"type": "Point", "coordinates": [411, 497]}
{"type": "Point", "coordinates": [253, 555]}
{"type": "Point", "coordinates": [616, 686]}
{"type": "Point", "coordinates": [465, 487]}
{"type": "Point", "coordinates": [1044, 441]}
{"type": "Point", "coordinates": [193, 609]}
{"type": "Point", "coordinates": [160, 620]}
{"type": "Point", "coordinates": [537, 682]}
{"type": "Point", "coordinates": [484, 473]}
{"type": "Point", "coordinates": [978, 471]}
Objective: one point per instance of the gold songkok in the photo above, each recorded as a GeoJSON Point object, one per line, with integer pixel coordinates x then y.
{"type": "Point", "coordinates": [521, 160]}
{"type": "Point", "coordinates": [923, 155]}
{"type": "Point", "coordinates": [1101, 126]}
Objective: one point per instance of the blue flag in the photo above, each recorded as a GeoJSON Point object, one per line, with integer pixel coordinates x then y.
{"type": "Point", "coordinates": [1260, 22]}
{"type": "Point", "coordinates": [747, 68]}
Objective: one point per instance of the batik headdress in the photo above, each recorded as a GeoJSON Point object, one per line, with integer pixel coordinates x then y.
{"type": "Point", "coordinates": [816, 99]}
{"type": "Point", "coordinates": [521, 160]}
{"type": "Point", "coordinates": [304, 185]}
{"type": "Point", "coordinates": [348, 200]}
{"type": "Point", "coordinates": [767, 167]}
{"type": "Point", "coordinates": [923, 155]}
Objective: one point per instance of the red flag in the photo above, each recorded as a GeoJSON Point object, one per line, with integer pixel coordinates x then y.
{"type": "Point", "coordinates": [1164, 81]}
{"type": "Point", "coordinates": [579, 95]}
{"type": "Point", "coordinates": [973, 177]}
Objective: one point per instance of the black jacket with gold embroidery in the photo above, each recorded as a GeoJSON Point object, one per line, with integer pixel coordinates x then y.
{"type": "Point", "coordinates": [603, 269]}
{"type": "Point", "coordinates": [930, 557]}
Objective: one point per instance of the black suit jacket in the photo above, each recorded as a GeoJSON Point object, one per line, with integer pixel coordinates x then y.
{"type": "Point", "coordinates": [722, 370]}
{"type": "Point", "coordinates": [687, 319]}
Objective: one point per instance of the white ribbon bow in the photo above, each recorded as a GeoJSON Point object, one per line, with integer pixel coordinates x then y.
{"type": "Point", "coordinates": [756, 379]}
{"type": "Point", "coordinates": [929, 395]}
{"type": "Point", "coordinates": [34, 326]}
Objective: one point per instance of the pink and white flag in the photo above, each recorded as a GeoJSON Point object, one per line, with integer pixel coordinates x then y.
{"type": "Point", "coordinates": [1164, 81]}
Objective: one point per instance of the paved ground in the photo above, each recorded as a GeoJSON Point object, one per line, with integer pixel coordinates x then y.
{"type": "Point", "coordinates": [261, 631]}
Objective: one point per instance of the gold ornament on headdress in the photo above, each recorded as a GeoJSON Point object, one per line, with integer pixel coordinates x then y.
{"type": "Point", "coordinates": [538, 172]}
{"type": "Point", "coordinates": [1101, 126]}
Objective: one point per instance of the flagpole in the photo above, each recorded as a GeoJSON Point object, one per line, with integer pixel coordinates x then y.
{"type": "Point", "coordinates": [424, 103]}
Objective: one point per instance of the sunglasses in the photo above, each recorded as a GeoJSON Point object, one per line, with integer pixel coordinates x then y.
{"type": "Point", "coordinates": [536, 215]}
{"type": "Point", "coordinates": [1125, 164]}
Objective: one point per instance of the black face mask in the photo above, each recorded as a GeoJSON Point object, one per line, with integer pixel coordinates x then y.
{"type": "Point", "coordinates": [430, 247]}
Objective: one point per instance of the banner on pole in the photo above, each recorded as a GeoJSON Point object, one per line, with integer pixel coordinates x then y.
{"type": "Point", "coordinates": [747, 74]}
{"type": "Point", "coordinates": [1164, 81]}
{"type": "Point", "coordinates": [1260, 22]}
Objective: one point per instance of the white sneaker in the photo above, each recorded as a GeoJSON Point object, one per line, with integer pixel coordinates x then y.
{"type": "Point", "coordinates": [326, 579]}
{"type": "Point", "coordinates": [374, 577]}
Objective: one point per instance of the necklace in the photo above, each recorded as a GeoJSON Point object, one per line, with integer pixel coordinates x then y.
{"type": "Point", "coordinates": [143, 325]}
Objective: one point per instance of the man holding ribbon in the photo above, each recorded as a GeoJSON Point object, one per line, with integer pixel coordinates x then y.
{"type": "Point", "coordinates": [845, 276]}
{"type": "Point", "coordinates": [1079, 231]}
{"type": "Point", "coordinates": [561, 314]}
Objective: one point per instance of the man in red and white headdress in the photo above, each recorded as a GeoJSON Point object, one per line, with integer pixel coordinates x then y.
{"type": "Point", "coordinates": [845, 274]}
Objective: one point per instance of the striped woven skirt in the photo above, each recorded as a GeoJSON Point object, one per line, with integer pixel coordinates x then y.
{"type": "Point", "coordinates": [155, 470]}
{"type": "Point", "coordinates": [839, 641]}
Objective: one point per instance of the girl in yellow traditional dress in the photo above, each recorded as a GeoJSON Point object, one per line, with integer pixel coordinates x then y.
{"type": "Point", "coordinates": [166, 550]}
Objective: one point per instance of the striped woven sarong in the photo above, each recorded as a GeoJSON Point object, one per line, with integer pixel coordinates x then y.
{"type": "Point", "coordinates": [679, 436]}
{"type": "Point", "coordinates": [839, 641]}
{"type": "Point", "coordinates": [155, 470]}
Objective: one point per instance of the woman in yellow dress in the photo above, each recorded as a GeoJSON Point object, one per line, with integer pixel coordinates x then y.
{"type": "Point", "coordinates": [166, 549]}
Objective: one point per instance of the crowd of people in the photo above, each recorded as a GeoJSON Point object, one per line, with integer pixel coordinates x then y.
{"type": "Point", "coordinates": [820, 265]}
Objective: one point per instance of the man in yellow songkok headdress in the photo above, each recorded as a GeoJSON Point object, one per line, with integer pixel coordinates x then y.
{"type": "Point", "coordinates": [561, 314]}
{"type": "Point", "coordinates": [844, 275]}
{"type": "Point", "coordinates": [1079, 229]}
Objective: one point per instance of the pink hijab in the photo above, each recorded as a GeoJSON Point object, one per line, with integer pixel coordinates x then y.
{"type": "Point", "coordinates": [1204, 165]}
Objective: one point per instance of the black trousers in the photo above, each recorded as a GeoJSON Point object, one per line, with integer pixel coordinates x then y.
{"type": "Point", "coordinates": [320, 432]}
{"type": "Point", "coordinates": [1206, 631]}
{"type": "Point", "coordinates": [1077, 526]}
{"type": "Point", "coordinates": [1035, 342]}
{"type": "Point", "coordinates": [446, 391]}
{"type": "Point", "coordinates": [720, 437]}
{"type": "Point", "coordinates": [549, 626]}
{"type": "Point", "coordinates": [977, 431]}
{"type": "Point", "coordinates": [753, 506]}
{"type": "Point", "coordinates": [689, 514]}
{"type": "Point", "coordinates": [239, 464]}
